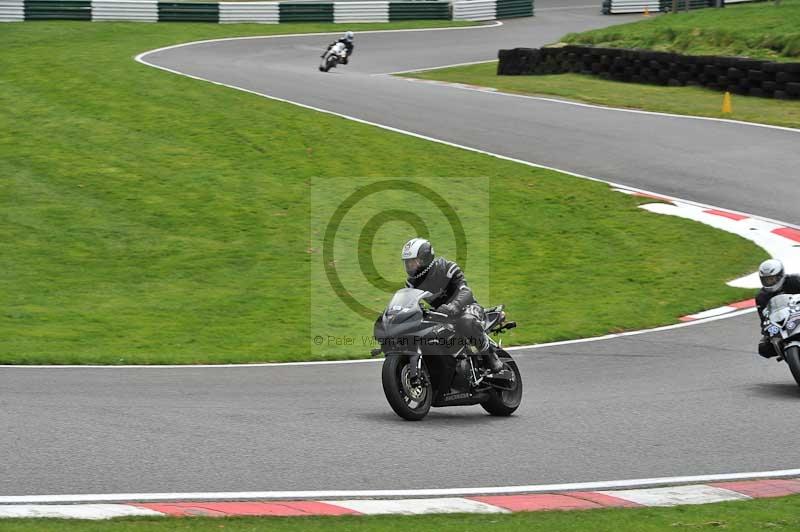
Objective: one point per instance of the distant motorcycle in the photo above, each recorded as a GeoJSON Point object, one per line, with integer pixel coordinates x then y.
{"type": "Point", "coordinates": [333, 56]}
{"type": "Point", "coordinates": [427, 364]}
{"type": "Point", "coordinates": [782, 324]}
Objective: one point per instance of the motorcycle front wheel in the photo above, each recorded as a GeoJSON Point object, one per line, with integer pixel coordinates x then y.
{"type": "Point", "coordinates": [792, 357]}
{"type": "Point", "coordinates": [409, 402]}
{"type": "Point", "coordinates": [505, 402]}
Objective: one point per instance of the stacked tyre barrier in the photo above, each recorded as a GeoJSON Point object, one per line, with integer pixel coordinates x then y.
{"type": "Point", "coordinates": [514, 8]}
{"type": "Point", "coordinates": [262, 12]}
{"type": "Point", "coordinates": [738, 75]}
{"type": "Point", "coordinates": [474, 10]}
{"type": "Point", "coordinates": [616, 7]}
{"type": "Point", "coordinates": [419, 11]}
{"type": "Point", "coordinates": [12, 10]}
{"type": "Point", "coordinates": [58, 10]}
{"type": "Point", "coordinates": [187, 12]}
{"type": "Point", "coordinates": [491, 9]}
{"type": "Point", "coordinates": [238, 12]}
{"type": "Point", "coordinates": [666, 5]}
{"type": "Point", "coordinates": [361, 12]}
{"type": "Point", "coordinates": [120, 10]}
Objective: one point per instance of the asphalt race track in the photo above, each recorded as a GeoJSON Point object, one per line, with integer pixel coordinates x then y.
{"type": "Point", "coordinates": [686, 401]}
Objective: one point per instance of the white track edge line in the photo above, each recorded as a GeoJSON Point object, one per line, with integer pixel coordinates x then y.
{"type": "Point", "coordinates": [500, 92]}
{"type": "Point", "coordinates": [366, 360]}
{"type": "Point", "coordinates": [431, 492]}
{"type": "Point", "coordinates": [450, 491]}
{"type": "Point", "coordinates": [427, 69]}
{"type": "Point", "coordinates": [140, 59]}
{"type": "Point", "coordinates": [494, 24]}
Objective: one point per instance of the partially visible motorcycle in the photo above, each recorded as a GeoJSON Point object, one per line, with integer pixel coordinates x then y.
{"type": "Point", "coordinates": [782, 324]}
{"type": "Point", "coordinates": [335, 54]}
{"type": "Point", "coordinates": [427, 364]}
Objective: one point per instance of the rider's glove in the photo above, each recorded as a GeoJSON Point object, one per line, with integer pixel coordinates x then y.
{"type": "Point", "coordinates": [448, 308]}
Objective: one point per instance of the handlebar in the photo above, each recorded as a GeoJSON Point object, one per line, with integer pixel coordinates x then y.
{"type": "Point", "coordinates": [438, 317]}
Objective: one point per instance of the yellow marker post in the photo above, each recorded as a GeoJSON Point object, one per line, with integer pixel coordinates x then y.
{"type": "Point", "coordinates": [726, 103]}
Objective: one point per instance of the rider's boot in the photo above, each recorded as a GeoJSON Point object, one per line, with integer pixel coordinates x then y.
{"type": "Point", "coordinates": [490, 358]}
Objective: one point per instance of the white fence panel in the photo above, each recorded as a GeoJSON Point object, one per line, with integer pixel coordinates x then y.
{"type": "Point", "coordinates": [475, 10]}
{"type": "Point", "coordinates": [260, 12]}
{"type": "Point", "coordinates": [138, 11]}
{"type": "Point", "coordinates": [635, 6]}
{"type": "Point", "coordinates": [361, 12]}
{"type": "Point", "coordinates": [12, 10]}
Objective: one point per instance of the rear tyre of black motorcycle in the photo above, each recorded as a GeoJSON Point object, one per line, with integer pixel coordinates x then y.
{"type": "Point", "coordinates": [792, 357]}
{"type": "Point", "coordinates": [505, 402]}
{"type": "Point", "coordinates": [394, 370]}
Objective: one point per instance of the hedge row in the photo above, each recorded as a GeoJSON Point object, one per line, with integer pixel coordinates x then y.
{"type": "Point", "coordinates": [738, 75]}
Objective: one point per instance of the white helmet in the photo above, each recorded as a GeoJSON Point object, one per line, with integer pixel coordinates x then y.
{"type": "Point", "coordinates": [348, 35]}
{"type": "Point", "coordinates": [417, 257]}
{"type": "Point", "coordinates": [772, 275]}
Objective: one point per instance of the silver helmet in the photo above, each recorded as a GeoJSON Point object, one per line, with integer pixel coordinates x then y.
{"type": "Point", "coordinates": [772, 275]}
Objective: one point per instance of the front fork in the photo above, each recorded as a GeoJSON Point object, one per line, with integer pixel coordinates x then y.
{"type": "Point", "coordinates": [415, 367]}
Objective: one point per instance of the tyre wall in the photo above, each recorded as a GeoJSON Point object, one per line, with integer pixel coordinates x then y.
{"type": "Point", "coordinates": [738, 75]}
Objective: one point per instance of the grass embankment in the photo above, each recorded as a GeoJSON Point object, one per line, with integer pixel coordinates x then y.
{"type": "Point", "coordinates": [761, 30]}
{"type": "Point", "coordinates": [757, 30]}
{"type": "Point", "coordinates": [147, 217]}
{"type": "Point", "coordinates": [762, 514]}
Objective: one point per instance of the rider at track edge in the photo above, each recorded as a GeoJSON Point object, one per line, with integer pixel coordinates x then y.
{"type": "Point", "coordinates": [451, 296]}
{"type": "Point", "coordinates": [347, 40]}
{"type": "Point", "coordinates": [774, 281]}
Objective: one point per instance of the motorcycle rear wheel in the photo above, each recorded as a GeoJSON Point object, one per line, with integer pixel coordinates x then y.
{"type": "Point", "coordinates": [792, 357]}
{"type": "Point", "coordinates": [505, 402]}
{"type": "Point", "coordinates": [411, 403]}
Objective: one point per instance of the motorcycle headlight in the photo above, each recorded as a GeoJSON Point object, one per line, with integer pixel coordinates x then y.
{"type": "Point", "coordinates": [773, 330]}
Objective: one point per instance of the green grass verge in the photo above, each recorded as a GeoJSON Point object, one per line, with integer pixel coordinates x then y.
{"type": "Point", "coordinates": [147, 217]}
{"type": "Point", "coordinates": [693, 101]}
{"type": "Point", "coordinates": [756, 515]}
{"type": "Point", "coordinates": [759, 30]}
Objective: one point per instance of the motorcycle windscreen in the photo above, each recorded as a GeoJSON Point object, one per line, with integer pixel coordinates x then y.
{"type": "Point", "coordinates": [784, 313]}
{"type": "Point", "coordinates": [405, 299]}
{"type": "Point", "coordinates": [781, 301]}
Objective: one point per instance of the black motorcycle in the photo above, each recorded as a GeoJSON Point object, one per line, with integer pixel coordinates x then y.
{"type": "Point", "coordinates": [427, 364]}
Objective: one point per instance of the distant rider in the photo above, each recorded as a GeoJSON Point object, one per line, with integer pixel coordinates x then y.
{"type": "Point", "coordinates": [451, 295]}
{"type": "Point", "coordinates": [347, 40]}
{"type": "Point", "coordinates": [774, 281]}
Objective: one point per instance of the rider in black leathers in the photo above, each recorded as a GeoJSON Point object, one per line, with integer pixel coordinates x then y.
{"type": "Point", "coordinates": [774, 281]}
{"type": "Point", "coordinates": [451, 295]}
